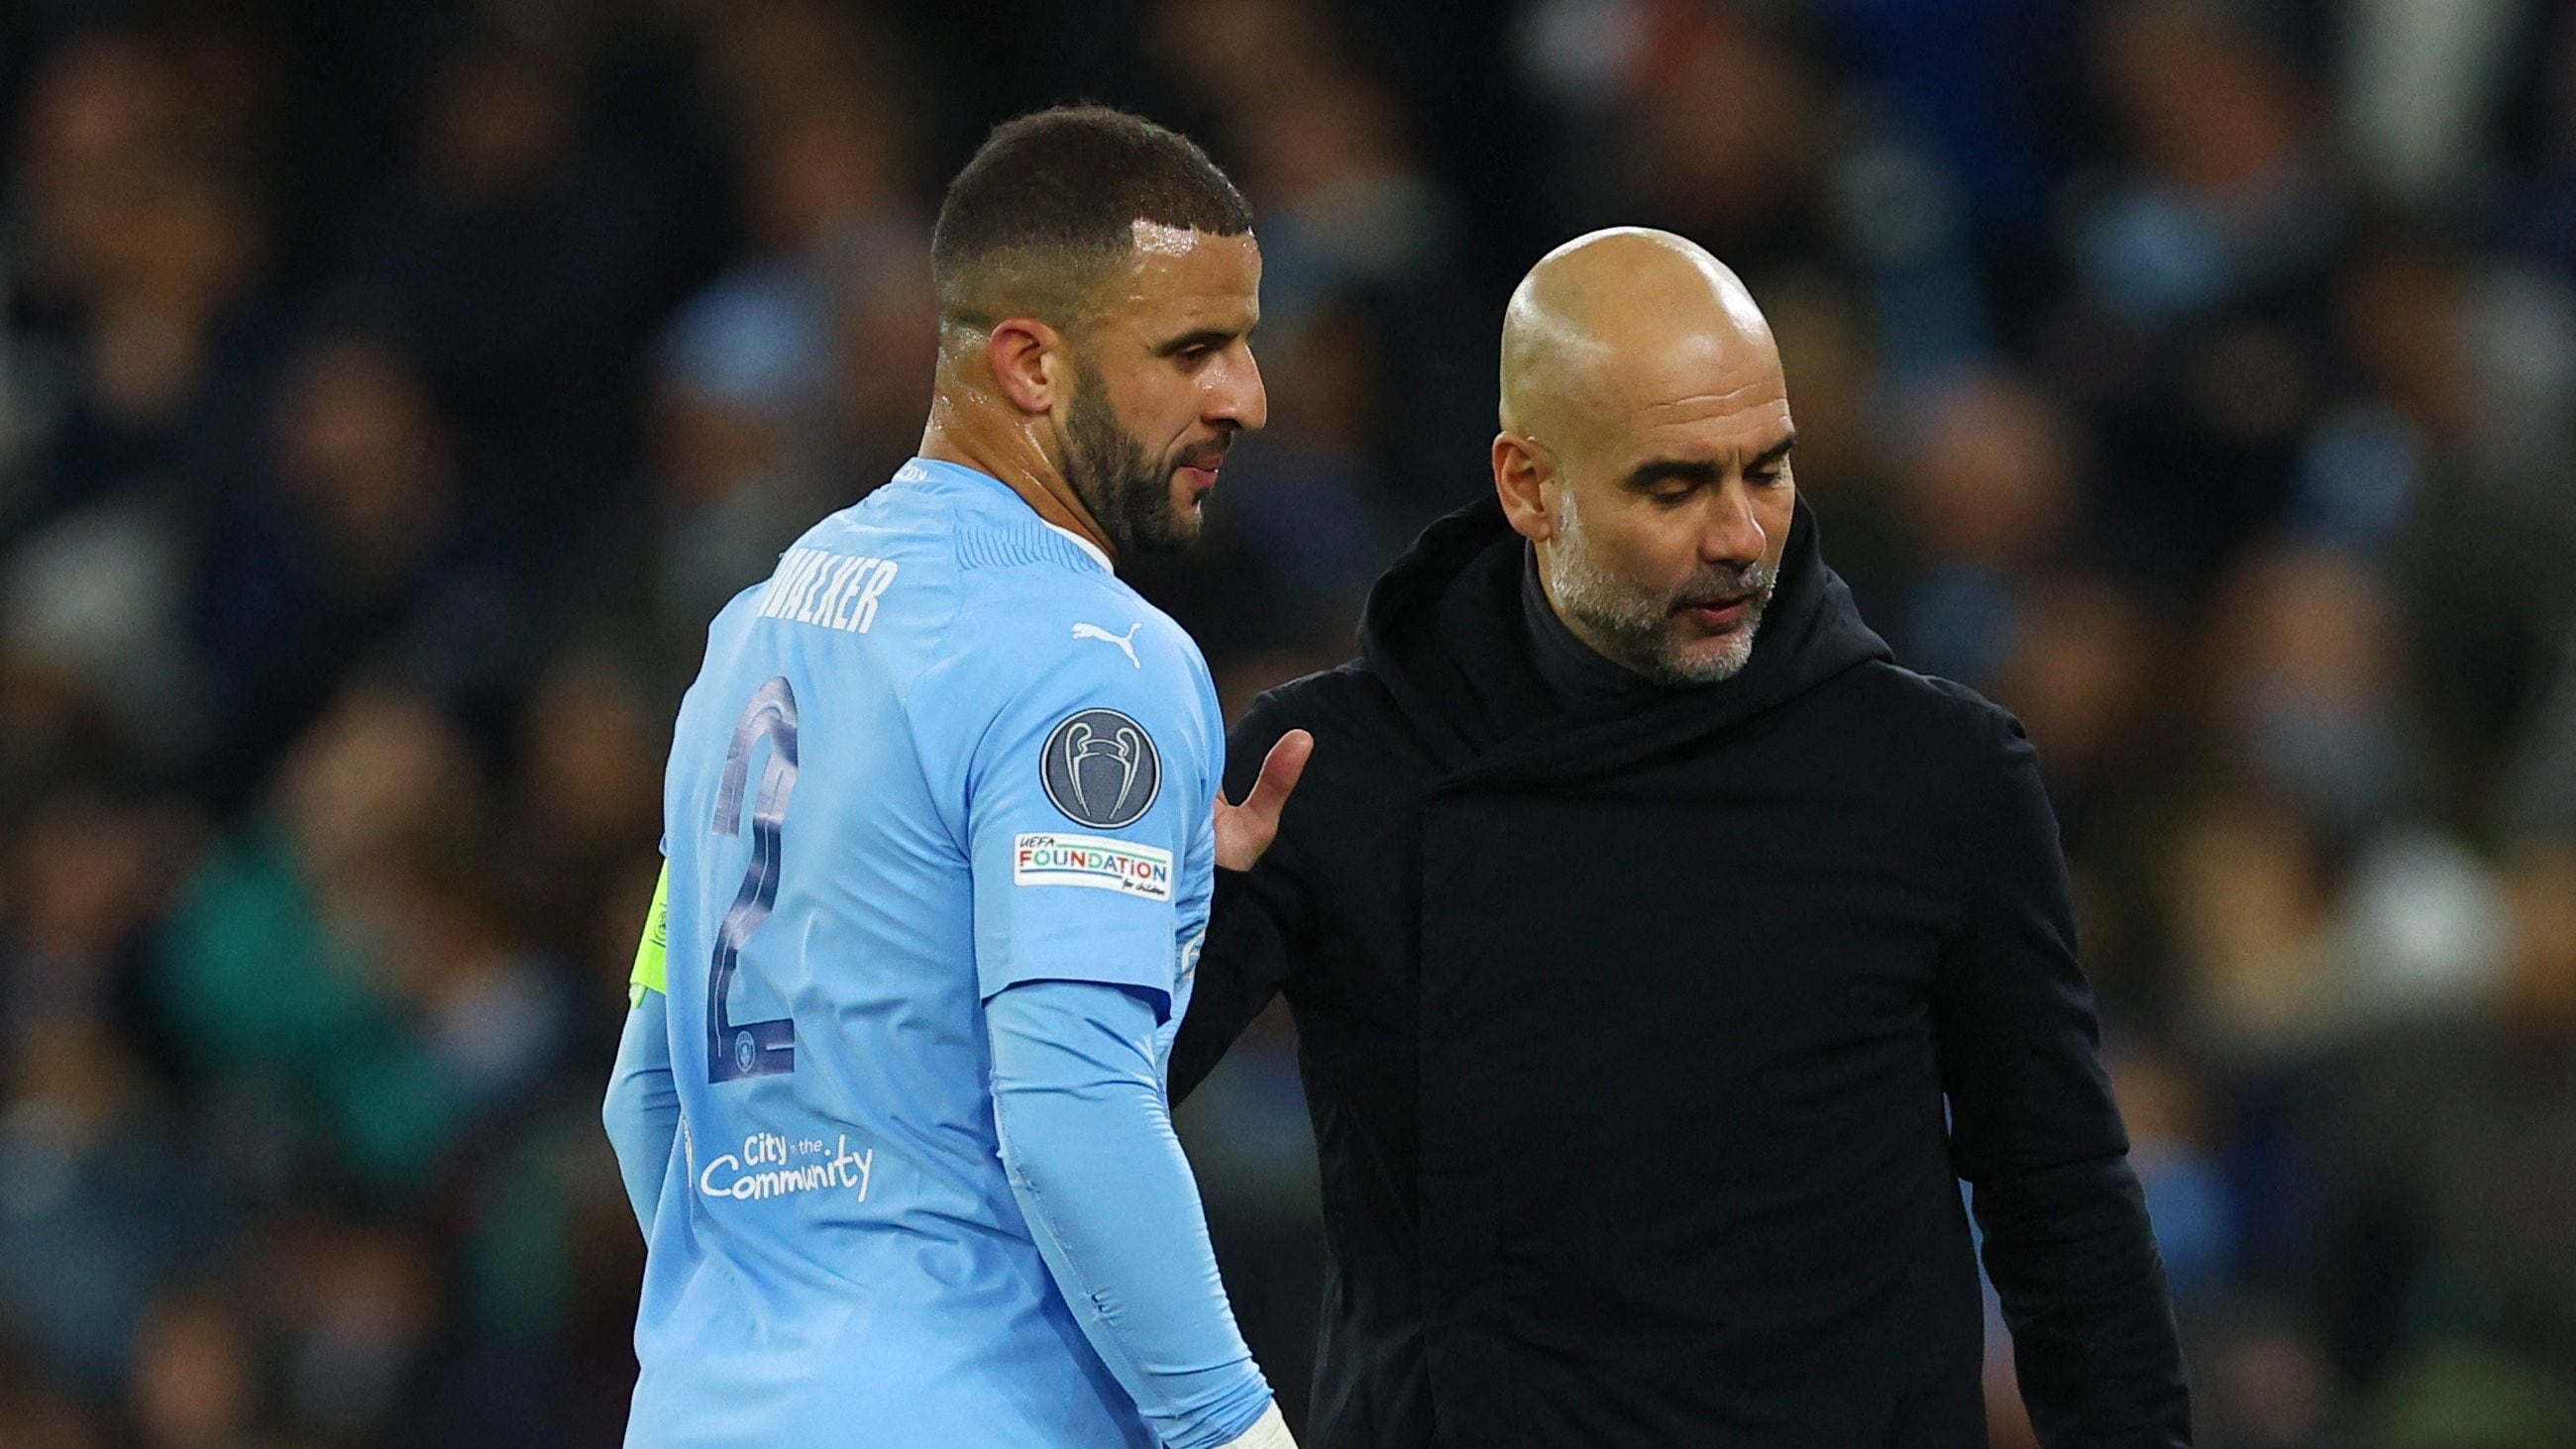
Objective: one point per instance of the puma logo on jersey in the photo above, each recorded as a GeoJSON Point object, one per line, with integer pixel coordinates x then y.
{"type": "Point", "coordinates": [1126, 646]}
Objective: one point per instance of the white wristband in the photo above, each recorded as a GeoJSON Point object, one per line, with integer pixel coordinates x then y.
{"type": "Point", "coordinates": [1270, 1433]}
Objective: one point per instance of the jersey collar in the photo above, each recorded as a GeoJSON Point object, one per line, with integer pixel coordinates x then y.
{"type": "Point", "coordinates": [924, 468]}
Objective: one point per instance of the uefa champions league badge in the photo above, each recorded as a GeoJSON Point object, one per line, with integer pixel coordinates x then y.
{"type": "Point", "coordinates": [1101, 769]}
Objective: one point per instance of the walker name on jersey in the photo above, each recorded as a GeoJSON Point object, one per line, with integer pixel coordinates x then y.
{"type": "Point", "coordinates": [833, 590]}
{"type": "Point", "coordinates": [1123, 866]}
{"type": "Point", "coordinates": [770, 1165]}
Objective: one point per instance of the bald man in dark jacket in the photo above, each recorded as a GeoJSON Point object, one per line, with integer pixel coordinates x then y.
{"type": "Point", "coordinates": [1657, 981]}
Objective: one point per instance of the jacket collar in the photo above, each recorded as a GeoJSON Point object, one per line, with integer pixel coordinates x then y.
{"type": "Point", "coordinates": [1443, 629]}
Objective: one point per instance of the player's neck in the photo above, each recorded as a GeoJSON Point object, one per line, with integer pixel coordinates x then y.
{"type": "Point", "coordinates": [1014, 456]}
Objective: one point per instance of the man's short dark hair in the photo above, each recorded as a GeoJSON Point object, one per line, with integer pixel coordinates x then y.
{"type": "Point", "coordinates": [1049, 205]}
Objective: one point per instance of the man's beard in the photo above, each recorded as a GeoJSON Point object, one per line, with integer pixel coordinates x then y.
{"type": "Point", "coordinates": [1116, 478]}
{"type": "Point", "coordinates": [1637, 627]}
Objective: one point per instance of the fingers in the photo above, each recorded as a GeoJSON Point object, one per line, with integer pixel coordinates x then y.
{"type": "Point", "coordinates": [1244, 831]}
{"type": "Point", "coordinates": [1280, 773]}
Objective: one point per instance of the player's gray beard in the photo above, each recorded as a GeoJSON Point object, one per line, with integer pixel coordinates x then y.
{"type": "Point", "coordinates": [1635, 627]}
{"type": "Point", "coordinates": [1114, 476]}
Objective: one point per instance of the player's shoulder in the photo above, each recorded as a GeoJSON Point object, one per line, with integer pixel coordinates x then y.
{"type": "Point", "coordinates": [1062, 646]}
{"type": "Point", "coordinates": [1033, 612]}
{"type": "Point", "coordinates": [1059, 662]}
{"type": "Point", "coordinates": [903, 521]}
{"type": "Point", "coordinates": [884, 560]}
{"type": "Point", "coordinates": [1039, 615]}
{"type": "Point", "coordinates": [1068, 610]}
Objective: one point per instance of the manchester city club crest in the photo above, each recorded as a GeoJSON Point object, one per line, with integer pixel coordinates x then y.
{"type": "Point", "coordinates": [1102, 769]}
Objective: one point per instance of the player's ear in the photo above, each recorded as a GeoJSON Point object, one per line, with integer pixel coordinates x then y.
{"type": "Point", "coordinates": [1031, 363]}
{"type": "Point", "coordinates": [1522, 473]}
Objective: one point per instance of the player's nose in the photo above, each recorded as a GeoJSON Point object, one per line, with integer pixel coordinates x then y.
{"type": "Point", "coordinates": [1239, 397]}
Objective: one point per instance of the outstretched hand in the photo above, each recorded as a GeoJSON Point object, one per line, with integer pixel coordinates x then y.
{"type": "Point", "coordinates": [1244, 831]}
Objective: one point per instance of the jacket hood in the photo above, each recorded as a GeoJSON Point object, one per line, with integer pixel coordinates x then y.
{"type": "Point", "coordinates": [1444, 631]}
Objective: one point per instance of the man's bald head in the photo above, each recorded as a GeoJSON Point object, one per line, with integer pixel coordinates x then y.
{"type": "Point", "coordinates": [1609, 315]}
{"type": "Point", "coordinates": [1644, 449]}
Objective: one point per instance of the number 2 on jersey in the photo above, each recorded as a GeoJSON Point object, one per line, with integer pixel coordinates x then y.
{"type": "Point", "coordinates": [736, 1050]}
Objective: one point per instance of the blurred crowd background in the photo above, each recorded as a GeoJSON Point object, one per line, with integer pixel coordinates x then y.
{"type": "Point", "coordinates": [389, 393]}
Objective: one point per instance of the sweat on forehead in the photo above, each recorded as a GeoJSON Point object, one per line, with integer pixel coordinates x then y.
{"type": "Point", "coordinates": [1620, 311]}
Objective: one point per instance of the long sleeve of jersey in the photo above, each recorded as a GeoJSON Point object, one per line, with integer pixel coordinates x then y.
{"type": "Point", "coordinates": [1086, 1136]}
{"type": "Point", "coordinates": [642, 1112]}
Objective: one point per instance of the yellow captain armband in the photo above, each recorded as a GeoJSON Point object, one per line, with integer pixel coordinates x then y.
{"type": "Point", "coordinates": [653, 953]}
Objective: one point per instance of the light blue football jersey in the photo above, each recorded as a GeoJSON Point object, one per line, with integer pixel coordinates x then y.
{"type": "Point", "coordinates": [941, 751]}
